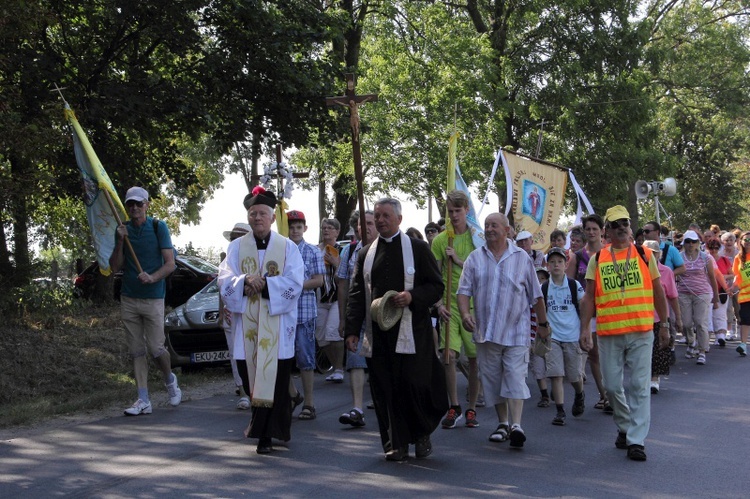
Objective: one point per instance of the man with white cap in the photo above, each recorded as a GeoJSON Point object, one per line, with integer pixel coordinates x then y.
{"type": "Point", "coordinates": [524, 241]}
{"type": "Point", "coordinates": [624, 287]}
{"type": "Point", "coordinates": [243, 403]}
{"type": "Point", "coordinates": [260, 281]}
{"type": "Point", "coordinates": [142, 295]}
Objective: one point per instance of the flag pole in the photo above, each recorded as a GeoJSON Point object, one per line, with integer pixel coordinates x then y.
{"type": "Point", "coordinates": [126, 238]}
{"type": "Point", "coordinates": [449, 263]}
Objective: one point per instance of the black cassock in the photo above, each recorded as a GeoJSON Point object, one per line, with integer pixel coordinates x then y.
{"type": "Point", "coordinates": [408, 390]}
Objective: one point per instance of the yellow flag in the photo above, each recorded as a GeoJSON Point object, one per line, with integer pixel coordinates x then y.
{"type": "Point", "coordinates": [451, 184]}
{"type": "Point", "coordinates": [102, 221]}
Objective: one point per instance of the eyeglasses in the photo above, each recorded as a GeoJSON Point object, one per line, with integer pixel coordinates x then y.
{"type": "Point", "coordinates": [689, 241]}
{"type": "Point", "coordinates": [616, 224]}
{"type": "Point", "coordinates": [431, 231]}
{"type": "Point", "coordinates": [132, 203]}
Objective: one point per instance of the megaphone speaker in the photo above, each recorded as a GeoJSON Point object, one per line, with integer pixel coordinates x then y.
{"type": "Point", "coordinates": [642, 189]}
{"type": "Point", "coordinates": [670, 186]}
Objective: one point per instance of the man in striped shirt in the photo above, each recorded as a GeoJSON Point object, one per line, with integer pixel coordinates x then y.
{"type": "Point", "coordinates": [501, 278]}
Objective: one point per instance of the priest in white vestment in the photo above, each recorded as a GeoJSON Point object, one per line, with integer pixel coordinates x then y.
{"type": "Point", "coordinates": [260, 281]}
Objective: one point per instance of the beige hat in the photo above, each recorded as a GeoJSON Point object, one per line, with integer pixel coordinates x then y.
{"type": "Point", "coordinates": [238, 230]}
{"type": "Point", "coordinates": [384, 312]}
{"type": "Point", "coordinates": [653, 246]}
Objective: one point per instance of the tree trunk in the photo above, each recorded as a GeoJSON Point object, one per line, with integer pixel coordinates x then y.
{"type": "Point", "coordinates": [19, 217]}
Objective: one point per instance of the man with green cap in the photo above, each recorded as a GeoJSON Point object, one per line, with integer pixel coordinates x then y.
{"type": "Point", "coordinates": [623, 286]}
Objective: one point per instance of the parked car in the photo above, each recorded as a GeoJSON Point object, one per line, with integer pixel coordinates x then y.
{"type": "Point", "coordinates": [190, 276]}
{"type": "Point", "coordinates": [194, 336]}
{"type": "Point", "coordinates": [193, 332]}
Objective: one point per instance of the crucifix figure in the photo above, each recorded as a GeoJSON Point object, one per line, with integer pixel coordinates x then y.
{"type": "Point", "coordinates": [352, 101]}
{"type": "Point", "coordinates": [279, 178]}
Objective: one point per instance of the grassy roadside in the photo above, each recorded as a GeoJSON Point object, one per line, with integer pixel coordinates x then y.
{"type": "Point", "coordinates": [75, 361]}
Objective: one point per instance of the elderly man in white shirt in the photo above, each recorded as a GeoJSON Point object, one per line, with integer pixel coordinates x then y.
{"type": "Point", "coordinates": [502, 280]}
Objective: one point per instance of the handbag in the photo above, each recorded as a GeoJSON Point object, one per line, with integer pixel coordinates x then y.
{"type": "Point", "coordinates": [542, 346]}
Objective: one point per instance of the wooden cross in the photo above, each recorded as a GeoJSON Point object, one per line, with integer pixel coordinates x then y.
{"type": "Point", "coordinates": [352, 101]}
{"type": "Point", "coordinates": [279, 180]}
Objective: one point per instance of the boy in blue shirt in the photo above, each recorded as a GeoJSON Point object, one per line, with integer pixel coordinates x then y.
{"type": "Point", "coordinates": [562, 296]}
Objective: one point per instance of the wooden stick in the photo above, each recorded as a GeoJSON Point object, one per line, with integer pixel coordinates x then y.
{"type": "Point", "coordinates": [119, 222]}
{"type": "Point", "coordinates": [449, 268]}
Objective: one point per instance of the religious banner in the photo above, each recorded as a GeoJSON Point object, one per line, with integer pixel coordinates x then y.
{"type": "Point", "coordinates": [537, 191]}
{"type": "Point", "coordinates": [96, 183]}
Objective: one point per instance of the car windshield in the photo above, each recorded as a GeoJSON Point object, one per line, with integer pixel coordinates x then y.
{"type": "Point", "coordinates": [212, 287]}
{"type": "Point", "coordinates": [199, 264]}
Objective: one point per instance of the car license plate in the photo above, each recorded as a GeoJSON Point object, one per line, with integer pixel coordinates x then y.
{"type": "Point", "coordinates": [210, 356]}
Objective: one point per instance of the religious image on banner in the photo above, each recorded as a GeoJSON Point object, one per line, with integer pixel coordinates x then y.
{"type": "Point", "coordinates": [537, 191]}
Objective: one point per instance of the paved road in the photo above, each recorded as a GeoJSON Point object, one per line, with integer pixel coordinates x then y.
{"type": "Point", "coordinates": [698, 447]}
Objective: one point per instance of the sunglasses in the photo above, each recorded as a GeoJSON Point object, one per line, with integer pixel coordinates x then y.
{"type": "Point", "coordinates": [134, 203]}
{"type": "Point", "coordinates": [616, 224]}
{"type": "Point", "coordinates": [649, 231]}
{"type": "Point", "coordinates": [689, 241]}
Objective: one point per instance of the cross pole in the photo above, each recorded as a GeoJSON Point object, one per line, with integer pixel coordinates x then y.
{"type": "Point", "coordinates": [279, 180]}
{"type": "Point", "coordinates": [353, 101]}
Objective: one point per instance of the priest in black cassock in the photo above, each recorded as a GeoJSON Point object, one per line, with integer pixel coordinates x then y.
{"type": "Point", "coordinates": [407, 380]}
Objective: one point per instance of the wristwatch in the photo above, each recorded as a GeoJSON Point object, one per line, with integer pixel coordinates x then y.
{"type": "Point", "coordinates": [543, 324]}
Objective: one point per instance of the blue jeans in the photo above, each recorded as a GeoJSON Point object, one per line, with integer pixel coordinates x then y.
{"type": "Point", "coordinates": [632, 415]}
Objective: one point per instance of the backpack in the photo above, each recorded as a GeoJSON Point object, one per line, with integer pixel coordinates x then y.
{"type": "Point", "coordinates": [664, 252]}
{"type": "Point", "coordinates": [572, 285]}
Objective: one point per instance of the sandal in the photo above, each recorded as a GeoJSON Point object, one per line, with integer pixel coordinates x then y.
{"type": "Point", "coordinates": [544, 402]}
{"type": "Point", "coordinates": [307, 413]}
{"type": "Point", "coordinates": [500, 434]}
{"type": "Point", "coordinates": [297, 400]}
{"type": "Point", "coordinates": [601, 404]}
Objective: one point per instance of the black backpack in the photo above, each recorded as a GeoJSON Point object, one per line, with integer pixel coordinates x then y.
{"type": "Point", "coordinates": [572, 285]}
{"type": "Point", "coordinates": [664, 252]}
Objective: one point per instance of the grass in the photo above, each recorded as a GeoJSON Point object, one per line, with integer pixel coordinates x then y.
{"type": "Point", "coordinates": [74, 361]}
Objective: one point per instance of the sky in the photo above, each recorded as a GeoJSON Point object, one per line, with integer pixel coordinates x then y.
{"type": "Point", "coordinates": [225, 209]}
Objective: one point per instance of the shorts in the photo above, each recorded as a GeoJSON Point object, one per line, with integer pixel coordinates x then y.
{"type": "Point", "coordinates": [719, 317]}
{"type": "Point", "coordinates": [327, 324]}
{"type": "Point", "coordinates": [503, 370]}
{"type": "Point", "coordinates": [564, 359]}
{"type": "Point", "coordinates": [537, 364]}
{"type": "Point", "coordinates": [304, 345]}
{"type": "Point", "coordinates": [745, 313]}
{"type": "Point", "coordinates": [458, 335]}
{"type": "Point", "coordinates": [356, 360]}
{"type": "Point", "coordinates": [144, 324]}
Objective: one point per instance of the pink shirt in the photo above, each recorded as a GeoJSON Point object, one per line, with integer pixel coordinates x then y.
{"type": "Point", "coordinates": [667, 283]}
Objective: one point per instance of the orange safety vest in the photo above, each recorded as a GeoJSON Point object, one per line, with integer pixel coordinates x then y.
{"type": "Point", "coordinates": [741, 273]}
{"type": "Point", "coordinates": [633, 311]}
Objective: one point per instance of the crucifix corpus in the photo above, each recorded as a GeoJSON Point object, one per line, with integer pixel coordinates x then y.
{"type": "Point", "coordinates": [352, 101]}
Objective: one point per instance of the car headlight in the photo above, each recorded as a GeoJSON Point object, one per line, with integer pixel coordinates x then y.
{"type": "Point", "coordinates": [173, 319]}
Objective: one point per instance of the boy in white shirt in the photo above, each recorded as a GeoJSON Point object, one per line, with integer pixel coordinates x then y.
{"type": "Point", "coordinates": [562, 296]}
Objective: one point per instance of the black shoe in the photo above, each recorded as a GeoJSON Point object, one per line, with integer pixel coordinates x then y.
{"type": "Point", "coordinates": [559, 419]}
{"type": "Point", "coordinates": [297, 400]}
{"type": "Point", "coordinates": [517, 436]}
{"type": "Point", "coordinates": [636, 452]}
{"type": "Point", "coordinates": [622, 440]}
{"type": "Point", "coordinates": [608, 409]}
{"type": "Point", "coordinates": [264, 446]}
{"type": "Point", "coordinates": [579, 404]}
{"type": "Point", "coordinates": [399, 454]}
{"type": "Point", "coordinates": [423, 447]}
{"type": "Point", "coordinates": [722, 342]}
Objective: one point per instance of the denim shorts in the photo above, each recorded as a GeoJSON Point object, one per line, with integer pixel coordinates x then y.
{"type": "Point", "coordinates": [355, 360]}
{"type": "Point", "coordinates": [304, 345]}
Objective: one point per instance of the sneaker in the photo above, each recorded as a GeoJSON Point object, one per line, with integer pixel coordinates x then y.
{"type": "Point", "coordinates": [452, 418]}
{"type": "Point", "coordinates": [579, 404]}
{"type": "Point", "coordinates": [689, 353]}
{"type": "Point", "coordinates": [741, 350]}
{"type": "Point", "coordinates": [175, 394]}
{"type": "Point", "coordinates": [622, 440]}
{"type": "Point", "coordinates": [721, 342]}
{"type": "Point", "coordinates": [559, 419]}
{"type": "Point", "coordinates": [517, 436]}
{"type": "Point", "coordinates": [701, 359]}
{"type": "Point", "coordinates": [471, 418]}
{"type": "Point", "coordinates": [654, 387]}
{"type": "Point", "coordinates": [139, 407]}
{"type": "Point", "coordinates": [353, 417]}
{"type": "Point", "coordinates": [544, 402]}
{"type": "Point", "coordinates": [336, 377]}
{"type": "Point", "coordinates": [636, 452]}
{"type": "Point", "coordinates": [423, 447]}
{"type": "Point", "coordinates": [243, 404]}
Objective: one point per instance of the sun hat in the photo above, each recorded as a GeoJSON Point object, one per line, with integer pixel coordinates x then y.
{"type": "Point", "coordinates": [617, 212]}
{"type": "Point", "coordinates": [524, 234]}
{"type": "Point", "coordinates": [384, 312]}
{"type": "Point", "coordinates": [653, 246]}
{"type": "Point", "coordinates": [691, 234]}
{"type": "Point", "coordinates": [238, 230]}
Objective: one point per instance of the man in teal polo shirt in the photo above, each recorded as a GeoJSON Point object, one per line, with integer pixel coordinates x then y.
{"type": "Point", "coordinates": [142, 295]}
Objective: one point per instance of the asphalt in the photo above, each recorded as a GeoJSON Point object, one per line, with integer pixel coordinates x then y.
{"type": "Point", "coordinates": [697, 447]}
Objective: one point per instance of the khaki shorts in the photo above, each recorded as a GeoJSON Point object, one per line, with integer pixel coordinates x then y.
{"type": "Point", "coordinates": [327, 324]}
{"type": "Point", "coordinates": [564, 359]}
{"type": "Point", "coordinates": [144, 324]}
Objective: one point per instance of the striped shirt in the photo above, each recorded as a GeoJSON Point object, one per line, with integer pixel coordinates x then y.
{"type": "Point", "coordinates": [307, 307]}
{"type": "Point", "coordinates": [503, 292]}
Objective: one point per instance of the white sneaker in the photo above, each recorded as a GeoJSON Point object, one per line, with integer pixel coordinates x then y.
{"type": "Point", "coordinates": [336, 377]}
{"type": "Point", "coordinates": [654, 387]}
{"type": "Point", "coordinates": [243, 404]}
{"type": "Point", "coordinates": [175, 394]}
{"type": "Point", "coordinates": [701, 359]}
{"type": "Point", "coordinates": [139, 407]}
